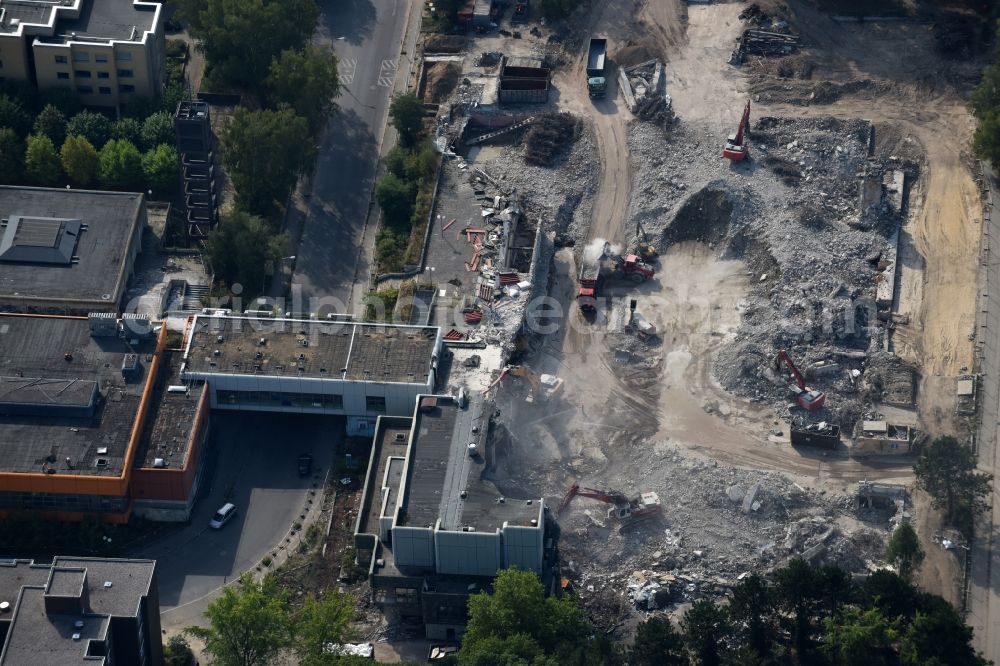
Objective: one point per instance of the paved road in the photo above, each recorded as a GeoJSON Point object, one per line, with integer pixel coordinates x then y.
{"type": "Point", "coordinates": [984, 581]}
{"type": "Point", "coordinates": [255, 467]}
{"type": "Point", "coordinates": [332, 208]}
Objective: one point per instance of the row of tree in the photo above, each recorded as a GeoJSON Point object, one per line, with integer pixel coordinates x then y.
{"type": "Point", "coordinates": [985, 106]}
{"type": "Point", "coordinates": [799, 615]}
{"type": "Point", "coordinates": [253, 623]}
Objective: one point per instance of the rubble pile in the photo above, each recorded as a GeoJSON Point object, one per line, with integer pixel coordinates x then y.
{"type": "Point", "coordinates": [562, 195]}
{"type": "Point", "coordinates": [817, 227]}
{"type": "Point", "coordinates": [719, 525]}
{"type": "Point", "coordinates": [549, 137]}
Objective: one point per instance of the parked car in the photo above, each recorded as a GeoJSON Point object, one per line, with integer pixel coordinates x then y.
{"type": "Point", "coordinates": [305, 464]}
{"type": "Point", "coordinates": [222, 516]}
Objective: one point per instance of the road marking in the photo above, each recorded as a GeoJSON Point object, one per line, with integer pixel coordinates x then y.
{"type": "Point", "coordinates": [348, 68]}
{"type": "Point", "coordinates": [387, 73]}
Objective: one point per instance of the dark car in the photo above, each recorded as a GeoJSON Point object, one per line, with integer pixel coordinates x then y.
{"type": "Point", "coordinates": [305, 464]}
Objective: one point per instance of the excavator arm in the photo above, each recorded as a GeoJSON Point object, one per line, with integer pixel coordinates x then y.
{"type": "Point", "coordinates": [783, 357]}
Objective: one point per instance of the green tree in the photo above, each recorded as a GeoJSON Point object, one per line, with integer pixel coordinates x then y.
{"type": "Point", "coordinates": [706, 629]}
{"type": "Point", "coordinates": [859, 637]}
{"type": "Point", "coordinates": [657, 643]}
{"type": "Point", "coordinates": [946, 470]}
{"type": "Point", "coordinates": [904, 551]}
{"type": "Point", "coordinates": [321, 622]}
{"type": "Point", "coordinates": [407, 114]}
{"type": "Point", "coordinates": [64, 99]}
{"type": "Point", "coordinates": [519, 615]}
{"type": "Point", "coordinates": [752, 611]}
{"type": "Point", "coordinates": [797, 590]}
{"type": "Point", "coordinates": [240, 37]}
{"type": "Point", "coordinates": [95, 127]}
{"type": "Point", "coordinates": [11, 156]}
{"type": "Point", "coordinates": [13, 115]}
{"type": "Point", "coordinates": [307, 81]}
{"type": "Point", "coordinates": [395, 198]}
{"type": "Point", "coordinates": [79, 160]}
{"type": "Point", "coordinates": [248, 624]}
{"type": "Point", "coordinates": [128, 129]}
{"type": "Point", "coordinates": [41, 161]}
{"type": "Point", "coordinates": [177, 652]}
{"type": "Point", "coordinates": [157, 129]}
{"type": "Point", "coordinates": [161, 167]}
{"type": "Point", "coordinates": [239, 249]}
{"type": "Point", "coordinates": [938, 637]}
{"type": "Point", "coordinates": [120, 165]}
{"type": "Point", "coordinates": [265, 151]}
{"type": "Point", "coordinates": [52, 123]}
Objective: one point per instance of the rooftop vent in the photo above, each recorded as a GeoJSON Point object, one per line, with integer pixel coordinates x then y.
{"type": "Point", "coordinates": [101, 450]}
{"type": "Point", "coordinates": [78, 624]}
{"type": "Point", "coordinates": [76, 637]}
{"type": "Point", "coordinates": [107, 584]}
{"type": "Point", "coordinates": [4, 606]}
{"type": "Point", "coordinates": [400, 436]}
{"type": "Point", "coordinates": [101, 462]}
{"type": "Point", "coordinates": [159, 462]}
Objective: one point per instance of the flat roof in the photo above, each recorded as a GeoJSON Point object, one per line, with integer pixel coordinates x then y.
{"type": "Point", "coordinates": [390, 442]}
{"type": "Point", "coordinates": [307, 348]}
{"type": "Point", "coordinates": [37, 347]}
{"type": "Point", "coordinates": [96, 273]}
{"type": "Point", "coordinates": [38, 638]}
{"type": "Point", "coordinates": [110, 19]}
{"type": "Point", "coordinates": [167, 432]}
{"type": "Point", "coordinates": [441, 470]}
{"type": "Point", "coordinates": [18, 13]}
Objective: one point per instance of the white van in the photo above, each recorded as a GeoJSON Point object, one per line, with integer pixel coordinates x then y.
{"type": "Point", "coordinates": [222, 516]}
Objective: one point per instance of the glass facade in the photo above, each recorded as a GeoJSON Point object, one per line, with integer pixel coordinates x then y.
{"type": "Point", "coordinates": [280, 399]}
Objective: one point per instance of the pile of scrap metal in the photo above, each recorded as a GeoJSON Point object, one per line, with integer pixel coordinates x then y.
{"type": "Point", "coordinates": [763, 43]}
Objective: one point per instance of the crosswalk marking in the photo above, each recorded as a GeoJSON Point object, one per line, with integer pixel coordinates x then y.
{"type": "Point", "coordinates": [348, 68]}
{"type": "Point", "coordinates": [387, 73]}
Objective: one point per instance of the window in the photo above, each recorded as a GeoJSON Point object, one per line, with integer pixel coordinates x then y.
{"type": "Point", "coordinates": [100, 57]}
{"type": "Point", "coordinates": [62, 75]}
{"type": "Point", "coordinates": [125, 73]}
{"type": "Point", "coordinates": [79, 56]}
{"type": "Point", "coordinates": [104, 75]}
{"type": "Point", "coordinates": [124, 56]}
{"type": "Point", "coordinates": [85, 90]}
{"type": "Point", "coordinates": [104, 90]}
{"type": "Point", "coordinates": [374, 403]}
{"type": "Point", "coordinates": [62, 60]}
{"type": "Point", "coordinates": [81, 73]}
{"type": "Point", "coordinates": [126, 89]}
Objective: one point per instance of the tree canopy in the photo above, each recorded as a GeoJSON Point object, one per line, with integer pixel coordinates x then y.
{"type": "Point", "coordinates": [946, 470]}
{"type": "Point", "coordinates": [13, 115]}
{"type": "Point", "coordinates": [119, 165]}
{"type": "Point", "coordinates": [904, 551]}
{"type": "Point", "coordinates": [307, 81]}
{"type": "Point", "coordinates": [79, 159]}
{"type": "Point", "coordinates": [161, 167]}
{"type": "Point", "coordinates": [518, 623]}
{"type": "Point", "coordinates": [11, 156]}
{"type": "Point", "coordinates": [239, 248]}
{"type": "Point", "coordinates": [406, 112]}
{"type": "Point", "coordinates": [265, 151]}
{"type": "Point", "coordinates": [52, 123]}
{"type": "Point", "coordinates": [157, 129]}
{"type": "Point", "coordinates": [41, 161]}
{"type": "Point", "coordinates": [94, 127]}
{"type": "Point", "coordinates": [249, 624]}
{"type": "Point", "coordinates": [240, 37]}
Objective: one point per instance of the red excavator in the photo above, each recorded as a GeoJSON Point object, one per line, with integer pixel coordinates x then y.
{"type": "Point", "coordinates": [736, 145]}
{"type": "Point", "coordinates": [808, 398]}
{"type": "Point", "coordinates": [629, 511]}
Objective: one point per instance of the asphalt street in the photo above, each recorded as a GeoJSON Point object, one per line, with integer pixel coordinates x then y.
{"type": "Point", "coordinates": [984, 576]}
{"type": "Point", "coordinates": [254, 466]}
{"type": "Point", "coordinates": [332, 207]}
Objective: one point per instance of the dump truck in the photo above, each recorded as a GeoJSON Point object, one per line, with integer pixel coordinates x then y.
{"type": "Point", "coordinates": [595, 271]}
{"type": "Point", "coordinates": [597, 59]}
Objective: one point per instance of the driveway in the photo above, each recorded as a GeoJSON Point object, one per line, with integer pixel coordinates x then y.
{"type": "Point", "coordinates": [331, 209]}
{"type": "Point", "coordinates": [252, 461]}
